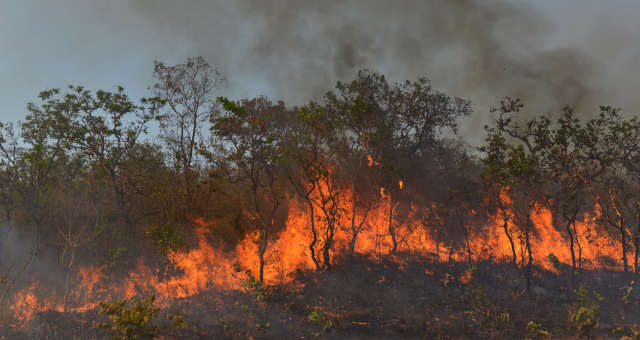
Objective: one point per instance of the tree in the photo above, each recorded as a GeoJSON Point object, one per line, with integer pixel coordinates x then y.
{"type": "Point", "coordinates": [10, 153]}
{"type": "Point", "coordinates": [562, 152]}
{"type": "Point", "coordinates": [609, 172]}
{"type": "Point", "coordinates": [456, 194]}
{"type": "Point", "coordinates": [519, 169]}
{"type": "Point", "coordinates": [187, 89]}
{"type": "Point", "coordinates": [100, 128]}
{"type": "Point", "coordinates": [310, 168]}
{"type": "Point", "coordinates": [251, 133]}
{"type": "Point", "coordinates": [497, 182]}
{"type": "Point", "coordinates": [392, 123]}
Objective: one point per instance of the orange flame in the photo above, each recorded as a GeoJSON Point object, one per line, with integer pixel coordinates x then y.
{"type": "Point", "coordinates": [205, 267]}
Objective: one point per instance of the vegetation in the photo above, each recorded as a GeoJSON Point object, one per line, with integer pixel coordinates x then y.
{"type": "Point", "coordinates": [385, 198]}
{"type": "Point", "coordinates": [139, 321]}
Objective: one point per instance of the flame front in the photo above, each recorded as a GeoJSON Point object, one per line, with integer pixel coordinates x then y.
{"type": "Point", "coordinates": [205, 267]}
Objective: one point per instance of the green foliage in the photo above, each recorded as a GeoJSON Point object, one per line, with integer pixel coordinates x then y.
{"type": "Point", "coordinates": [138, 320]}
{"type": "Point", "coordinates": [166, 237]}
{"type": "Point", "coordinates": [482, 312]}
{"type": "Point", "coordinates": [583, 313]}
{"type": "Point", "coordinates": [627, 291]}
{"type": "Point", "coordinates": [135, 322]}
{"type": "Point", "coordinates": [535, 331]}
{"type": "Point", "coordinates": [557, 265]}
{"type": "Point", "coordinates": [256, 288]}
{"type": "Point", "coordinates": [115, 257]}
{"type": "Point", "coordinates": [631, 333]}
{"type": "Point", "coordinates": [325, 319]}
{"type": "Point", "coordinates": [448, 279]}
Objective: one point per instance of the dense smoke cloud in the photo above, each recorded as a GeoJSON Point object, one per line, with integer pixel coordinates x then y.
{"type": "Point", "coordinates": [483, 50]}
{"type": "Point", "coordinates": [550, 55]}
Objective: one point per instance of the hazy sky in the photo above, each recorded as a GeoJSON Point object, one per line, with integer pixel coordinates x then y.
{"type": "Point", "coordinates": [551, 53]}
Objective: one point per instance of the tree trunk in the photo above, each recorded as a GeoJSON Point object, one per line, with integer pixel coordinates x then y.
{"type": "Point", "coordinates": [636, 244]}
{"type": "Point", "coordinates": [314, 235]}
{"type": "Point", "coordinates": [527, 238]}
{"type": "Point", "coordinates": [67, 286]}
{"type": "Point", "coordinates": [122, 205]}
{"type": "Point", "coordinates": [573, 257]}
{"type": "Point", "coordinates": [328, 244]}
{"type": "Point", "coordinates": [263, 249]}
{"type": "Point", "coordinates": [623, 241]}
{"type": "Point", "coordinates": [505, 226]}
{"type": "Point", "coordinates": [392, 231]}
{"type": "Point", "coordinates": [575, 232]}
{"type": "Point", "coordinates": [354, 230]}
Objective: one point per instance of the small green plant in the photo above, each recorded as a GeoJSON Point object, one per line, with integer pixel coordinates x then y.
{"type": "Point", "coordinates": [165, 237]}
{"type": "Point", "coordinates": [260, 326]}
{"type": "Point", "coordinates": [447, 279]}
{"type": "Point", "coordinates": [583, 314]}
{"type": "Point", "coordinates": [504, 317]}
{"type": "Point", "coordinates": [555, 262]}
{"type": "Point", "coordinates": [253, 285]}
{"type": "Point", "coordinates": [136, 321]}
{"type": "Point", "coordinates": [626, 293]}
{"type": "Point", "coordinates": [327, 320]}
{"type": "Point", "coordinates": [632, 333]}
{"type": "Point", "coordinates": [535, 331]}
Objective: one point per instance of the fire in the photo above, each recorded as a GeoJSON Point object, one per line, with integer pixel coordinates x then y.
{"type": "Point", "coordinates": [207, 267]}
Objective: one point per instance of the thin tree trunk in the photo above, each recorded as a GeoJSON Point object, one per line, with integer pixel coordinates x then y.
{"type": "Point", "coordinates": [505, 226]}
{"type": "Point", "coordinates": [571, 220]}
{"type": "Point", "coordinates": [262, 250]}
{"type": "Point", "coordinates": [527, 238]}
{"type": "Point", "coordinates": [67, 286]}
{"type": "Point", "coordinates": [575, 232]}
{"type": "Point", "coordinates": [573, 257]}
{"type": "Point", "coordinates": [391, 228]}
{"type": "Point", "coordinates": [623, 241]}
{"type": "Point", "coordinates": [328, 243]}
{"type": "Point", "coordinates": [636, 244]}
{"type": "Point", "coordinates": [314, 235]}
{"type": "Point", "coordinates": [354, 230]}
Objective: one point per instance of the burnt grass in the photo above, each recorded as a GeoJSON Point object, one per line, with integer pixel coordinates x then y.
{"type": "Point", "coordinates": [399, 297]}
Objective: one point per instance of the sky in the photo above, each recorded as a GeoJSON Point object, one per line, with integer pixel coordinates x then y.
{"type": "Point", "coordinates": [549, 53]}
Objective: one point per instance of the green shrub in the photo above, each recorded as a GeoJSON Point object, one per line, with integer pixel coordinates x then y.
{"type": "Point", "coordinates": [165, 237]}
{"type": "Point", "coordinates": [257, 289]}
{"type": "Point", "coordinates": [327, 320]}
{"type": "Point", "coordinates": [535, 331]}
{"type": "Point", "coordinates": [136, 321]}
{"type": "Point", "coordinates": [583, 313]}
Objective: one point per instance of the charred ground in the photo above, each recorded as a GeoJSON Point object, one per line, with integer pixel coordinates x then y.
{"type": "Point", "coordinates": [400, 297]}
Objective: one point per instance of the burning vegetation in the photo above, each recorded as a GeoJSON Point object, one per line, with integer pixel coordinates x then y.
{"type": "Point", "coordinates": [350, 217]}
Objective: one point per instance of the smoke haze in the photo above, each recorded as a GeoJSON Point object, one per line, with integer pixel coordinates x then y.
{"type": "Point", "coordinates": [548, 54]}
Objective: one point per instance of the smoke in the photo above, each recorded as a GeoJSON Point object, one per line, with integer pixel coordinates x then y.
{"type": "Point", "coordinates": [478, 49]}
{"type": "Point", "coordinates": [549, 54]}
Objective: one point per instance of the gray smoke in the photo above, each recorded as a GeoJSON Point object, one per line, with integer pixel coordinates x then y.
{"type": "Point", "coordinates": [479, 49]}
{"type": "Point", "coordinates": [550, 54]}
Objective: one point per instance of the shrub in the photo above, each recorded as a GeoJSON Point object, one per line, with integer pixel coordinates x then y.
{"type": "Point", "coordinates": [535, 331]}
{"type": "Point", "coordinates": [136, 321]}
{"type": "Point", "coordinates": [583, 314]}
